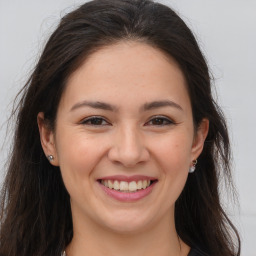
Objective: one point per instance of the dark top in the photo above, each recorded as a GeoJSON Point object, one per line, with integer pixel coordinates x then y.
{"type": "Point", "coordinates": [197, 252]}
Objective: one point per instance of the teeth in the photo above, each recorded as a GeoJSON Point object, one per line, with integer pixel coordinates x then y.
{"type": "Point", "coordinates": [144, 184]}
{"type": "Point", "coordinates": [139, 184]}
{"type": "Point", "coordinates": [125, 186]}
{"type": "Point", "coordinates": [110, 184]}
{"type": "Point", "coordinates": [132, 186]}
{"type": "Point", "coordinates": [116, 185]}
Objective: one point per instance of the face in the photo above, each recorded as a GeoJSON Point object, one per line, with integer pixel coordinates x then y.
{"type": "Point", "coordinates": [124, 137]}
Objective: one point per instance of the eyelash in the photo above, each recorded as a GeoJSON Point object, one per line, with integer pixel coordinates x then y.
{"type": "Point", "coordinates": [167, 121]}
{"type": "Point", "coordinates": [164, 119]}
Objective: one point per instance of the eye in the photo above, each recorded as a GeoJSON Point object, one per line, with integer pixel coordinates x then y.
{"type": "Point", "coordinates": [160, 121]}
{"type": "Point", "coordinates": [95, 121]}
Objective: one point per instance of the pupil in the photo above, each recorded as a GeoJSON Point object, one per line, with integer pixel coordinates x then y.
{"type": "Point", "coordinates": [158, 121]}
{"type": "Point", "coordinates": [96, 121]}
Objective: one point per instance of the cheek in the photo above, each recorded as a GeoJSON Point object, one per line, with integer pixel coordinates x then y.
{"type": "Point", "coordinates": [77, 155]}
{"type": "Point", "coordinates": [173, 154]}
{"type": "Point", "coordinates": [174, 160]}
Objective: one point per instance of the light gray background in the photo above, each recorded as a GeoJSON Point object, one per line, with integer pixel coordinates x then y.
{"type": "Point", "coordinates": [226, 30]}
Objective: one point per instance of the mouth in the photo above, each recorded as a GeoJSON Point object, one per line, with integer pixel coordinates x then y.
{"type": "Point", "coordinates": [124, 186]}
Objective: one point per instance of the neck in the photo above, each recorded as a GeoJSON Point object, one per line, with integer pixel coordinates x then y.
{"type": "Point", "coordinates": [161, 239]}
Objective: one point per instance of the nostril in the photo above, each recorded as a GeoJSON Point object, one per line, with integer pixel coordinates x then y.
{"type": "Point", "coordinates": [128, 153]}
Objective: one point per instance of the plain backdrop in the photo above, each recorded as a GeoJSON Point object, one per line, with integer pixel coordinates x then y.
{"type": "Point", "coordinates": [226, 32]}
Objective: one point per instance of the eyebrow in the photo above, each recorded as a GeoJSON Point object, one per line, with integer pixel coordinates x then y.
{"type": "Point", "coordinates": [109, 107]}
{"type": "Point", "coordinates": [95, 104]}
{"type": "Point", "coordinates": [160, 104]}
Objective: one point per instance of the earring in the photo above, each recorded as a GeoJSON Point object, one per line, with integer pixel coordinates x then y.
{"type": "Point", "coordinates": [50, 158]}
{"type": "Point", "coordinates": [193, 167]}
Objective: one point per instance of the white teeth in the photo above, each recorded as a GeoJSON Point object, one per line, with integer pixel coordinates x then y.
{"type": "Point", "coordinates": [132, 186]}
{"type": "Point", "coordinates": [110, 184]}
{"type": "Point", "coordinates": [125, 186]}
{"type": "Point", "coordinates": [116, 185]}
{"type": "Point", "coordinates": [144, 184]}
{"type": "Point", "coordinates": [139, 184]}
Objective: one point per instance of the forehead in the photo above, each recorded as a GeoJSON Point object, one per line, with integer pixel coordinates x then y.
{"type": "Point", "coordinates": [126, 69]}
{"type": "Point", "coordinates": [125, 56]}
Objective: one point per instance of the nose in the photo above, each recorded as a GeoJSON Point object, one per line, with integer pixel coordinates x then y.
{"type": "Point", "coordinates": [128, 148]}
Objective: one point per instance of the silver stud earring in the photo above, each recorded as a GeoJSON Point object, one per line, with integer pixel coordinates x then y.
{"type": "Point", "coordinates": [193, 167]}
{"type": "Point", "coordinates": [50, 158]}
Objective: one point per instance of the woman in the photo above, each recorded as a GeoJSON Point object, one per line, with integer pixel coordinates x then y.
{"type": "Point", "coordinates": [119, 144]}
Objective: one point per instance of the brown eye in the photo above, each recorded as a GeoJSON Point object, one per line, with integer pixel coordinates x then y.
{"type": "Point", "coordinates": [160, 121]}
{"type": "Point", "coordinates": [94, 121]}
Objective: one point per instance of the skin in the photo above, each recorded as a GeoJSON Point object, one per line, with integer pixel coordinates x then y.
{"type": "Point", "coordinates": [126, 141]}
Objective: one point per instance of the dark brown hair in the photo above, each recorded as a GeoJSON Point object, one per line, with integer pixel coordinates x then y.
{"type": "Point", "coordinates": [35, 209]}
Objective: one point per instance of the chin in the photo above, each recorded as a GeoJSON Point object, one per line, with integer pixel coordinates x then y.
{"type": "Point", "coordinates": [127, 228]}
{"type": "Point", "coordinates": [128, 223]}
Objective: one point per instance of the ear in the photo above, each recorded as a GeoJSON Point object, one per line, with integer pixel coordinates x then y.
{"type": "Point", "coordinates": [47, 139]}
{"type": "Point", "coordinates": [199, 139]}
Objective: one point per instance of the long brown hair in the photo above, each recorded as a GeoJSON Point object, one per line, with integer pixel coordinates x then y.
{"type": "Point", "coordinates": [35, 208]}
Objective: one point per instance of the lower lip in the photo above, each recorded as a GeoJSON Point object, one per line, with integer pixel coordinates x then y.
{"type": "Point", "coordinates": [127, 196]}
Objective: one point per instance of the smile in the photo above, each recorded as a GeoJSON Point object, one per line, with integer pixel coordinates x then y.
{"type": "Point", "coordinates": [127, 189]}
{"type": "Point", "coordinates": [125, 186]}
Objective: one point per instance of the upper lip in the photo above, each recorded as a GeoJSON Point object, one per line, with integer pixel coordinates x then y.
{"type": "Point", "coordinates": [128, 178]}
